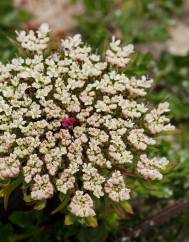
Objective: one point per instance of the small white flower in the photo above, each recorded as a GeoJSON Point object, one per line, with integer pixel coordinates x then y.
{"type": "Point", "coordinates": [44, 28]}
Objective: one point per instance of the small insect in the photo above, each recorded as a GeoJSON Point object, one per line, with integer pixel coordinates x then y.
{"type": "Point", "coordinates": [30, 90]}
{"type": "Point", "coordinates": [148, 78]}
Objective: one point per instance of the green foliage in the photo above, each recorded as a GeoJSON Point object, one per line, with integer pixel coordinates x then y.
{"type": "Point", "coordinates": [10, 19]}
{"type": "Point", "coordinates": [133, 20]}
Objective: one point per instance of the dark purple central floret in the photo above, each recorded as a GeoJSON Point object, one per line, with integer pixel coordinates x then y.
{"type": "Point", "coordinates": [69, 122]}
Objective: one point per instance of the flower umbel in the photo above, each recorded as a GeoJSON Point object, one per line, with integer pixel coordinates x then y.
{"type": "Point", "coordinates": [71, 120]}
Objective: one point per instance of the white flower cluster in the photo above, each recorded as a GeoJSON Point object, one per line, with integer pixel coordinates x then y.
{"type": "Point", "coordinates": [65, 182]}
{"type": "Point", "coordinates": [82, 205]}
{"type": "Point", "coordinates": [150, 168]}
{"type": "Point", "coordinates": [42, 188]}
{"type": "Point", "coordinates": [139, 139]}
{"type": "Point", "coordinates": [34, 42]}
{"type": "Point", "coordinates": [70, 122]}
{"type": "Point", "coordinates": [156, 122]}
{"type": "Point", "coordinates": [33, 167]}
{"type": "Point", "coordinates": [9, 167]}
{"type": "Point", "coordinates": [92, 181]}
{"type": "Point", "coordinates": [115, 187]}
{"type": "Point", "coordinates": [117, 55]}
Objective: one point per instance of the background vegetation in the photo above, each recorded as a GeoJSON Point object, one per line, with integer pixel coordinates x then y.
{"type": "Point", "coordinates": [139, 22]}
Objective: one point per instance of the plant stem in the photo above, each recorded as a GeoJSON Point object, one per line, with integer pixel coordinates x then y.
{"type": "Point", "coordinates": [161, 217]}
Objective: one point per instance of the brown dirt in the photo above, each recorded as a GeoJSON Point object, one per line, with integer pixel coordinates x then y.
{"type": "Point", "coordinates": [60, 14]}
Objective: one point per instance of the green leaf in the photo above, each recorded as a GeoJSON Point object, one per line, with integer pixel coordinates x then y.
{"type": "Point", "coordinates": [40, 205]}
{"type": "Point", "coordinates": [8, 189]}
{"type": "Point", "coordinates": [81, 220]}
{"type": "Point", "coordinates": [62, 205]}
{"type": "Point", "coordinates": [127, 206]}
{"type": "Point", "coordinates": [91, 222]}
{"type": "Point", "coordinates": [69, 219]}
{"type": "Point", "coordinates": [120, 211]}
{"type": "Point", "coordinates": [170, 167]}
{"type": "Point", "coordinates": [27, 198]}
{"type": "Point", "coordinates": [24, 219]}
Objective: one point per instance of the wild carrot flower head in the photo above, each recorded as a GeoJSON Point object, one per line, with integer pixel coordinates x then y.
{"type": "Point", "coordinates": [71, 121]}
